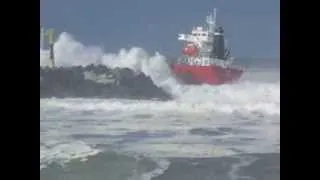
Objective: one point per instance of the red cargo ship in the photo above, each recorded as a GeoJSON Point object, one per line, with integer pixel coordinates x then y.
{"type": "Point", "coordinates": [205, 58]}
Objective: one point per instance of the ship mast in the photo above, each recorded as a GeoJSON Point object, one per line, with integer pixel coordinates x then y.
{"type": "Point", "coordinates": [211, 20]}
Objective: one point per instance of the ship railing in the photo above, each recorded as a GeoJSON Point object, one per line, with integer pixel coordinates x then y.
{"type": "Point", "coordinates": [220, 62]}
{"type": "Point", "coordinates": [227, 63]}
{"type": "Point", "coordinates": [208, 61]}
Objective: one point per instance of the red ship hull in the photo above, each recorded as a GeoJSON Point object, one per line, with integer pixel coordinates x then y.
{"type": "Point", "coordinates": [213, 75]}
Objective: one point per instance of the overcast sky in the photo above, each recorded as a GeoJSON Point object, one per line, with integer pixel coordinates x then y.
{"type": "Point", "coordinates": [252, 27]}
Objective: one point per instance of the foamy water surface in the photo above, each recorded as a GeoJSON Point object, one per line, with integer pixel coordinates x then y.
{"type": "Point", "coordinates": [201, 121]}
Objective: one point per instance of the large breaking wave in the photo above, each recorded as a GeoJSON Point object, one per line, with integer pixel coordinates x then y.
{"type": "Point", "coordinates": [86, 71]}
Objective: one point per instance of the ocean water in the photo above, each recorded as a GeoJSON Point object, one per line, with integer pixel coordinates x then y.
{"type": "Point", "coordinates": [228, 132]}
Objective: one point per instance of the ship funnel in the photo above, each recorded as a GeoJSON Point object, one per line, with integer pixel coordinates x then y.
{"type": "Point", "coordinates": [219, 44]}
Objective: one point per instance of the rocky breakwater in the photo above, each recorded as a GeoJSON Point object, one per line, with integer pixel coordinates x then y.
{"type": "Point", "coordinates": [97, 81]}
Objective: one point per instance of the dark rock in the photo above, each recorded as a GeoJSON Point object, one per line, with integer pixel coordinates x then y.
{"type": "Point", "coordinates": [97, 81]}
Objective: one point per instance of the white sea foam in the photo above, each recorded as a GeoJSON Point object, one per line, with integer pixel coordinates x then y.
{"type": "Point", "coordinates": [251, 106]}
